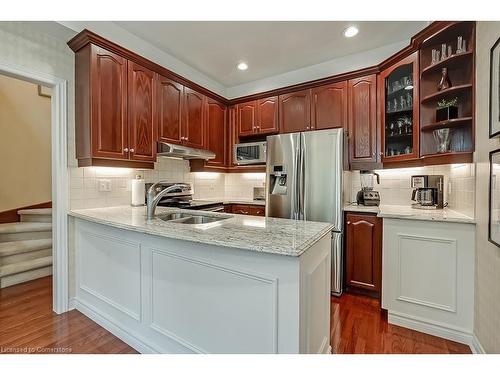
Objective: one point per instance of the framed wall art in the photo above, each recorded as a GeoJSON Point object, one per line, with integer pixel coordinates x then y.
{"type": "Point", "coordinates": [494, 200]}
{"type": "Point", "coordinates": [495, 89]}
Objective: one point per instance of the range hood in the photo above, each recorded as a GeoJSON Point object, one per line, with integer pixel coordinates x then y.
{"type": "Point", "coordinates": [177, 151]}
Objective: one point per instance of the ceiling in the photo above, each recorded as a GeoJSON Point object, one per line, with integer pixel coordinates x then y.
{"type": "Point", "coordinates": [270, 48]}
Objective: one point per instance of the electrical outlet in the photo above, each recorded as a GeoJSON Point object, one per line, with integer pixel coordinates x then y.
{"type": "Point", "coordinates": [104, 185]}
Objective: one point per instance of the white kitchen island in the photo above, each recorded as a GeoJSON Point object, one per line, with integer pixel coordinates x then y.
{"type": "Point", "coordinates": [241, 285]}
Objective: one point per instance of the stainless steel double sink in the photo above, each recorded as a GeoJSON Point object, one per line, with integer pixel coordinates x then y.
{"type": "Point", "coordinates": [186, 218]}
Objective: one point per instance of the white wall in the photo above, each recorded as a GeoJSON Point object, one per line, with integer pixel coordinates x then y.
{"type": "Point", "coordinates": [487, 294]}
{"type": "Point", "coordinates": [25, 130]}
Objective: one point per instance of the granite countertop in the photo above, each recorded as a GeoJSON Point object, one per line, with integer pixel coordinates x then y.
{"type": "Point", "coordinates": [409, 213]}
{"type": "Point", "coordinates": [261, 234]}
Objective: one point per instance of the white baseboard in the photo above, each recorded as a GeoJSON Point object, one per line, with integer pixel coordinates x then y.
{"type": "Point", "coordinates": [71, 303]}
{"type": "Point", "coordinates": [430, 328]}
{"type": "Point", "coordinates": [476, 346]}
{"type": "Point", "coordinates": [108, 324]}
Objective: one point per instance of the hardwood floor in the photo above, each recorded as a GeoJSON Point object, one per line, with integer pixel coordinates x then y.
{"type": "Point", "coordinates": [28, 324]}
{"type": "Point", "coordinates": [358, 326]}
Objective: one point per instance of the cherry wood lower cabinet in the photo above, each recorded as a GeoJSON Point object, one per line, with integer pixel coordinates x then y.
{"type": "Point", "coordinates": [363, 253]}
{"type": "Point", "coordinates": [245, 209]}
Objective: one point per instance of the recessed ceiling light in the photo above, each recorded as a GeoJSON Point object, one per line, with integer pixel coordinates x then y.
{"type": "Point", "coordinates": [242, 66]}
{"type": "Point", "coordinates": [351, 31]}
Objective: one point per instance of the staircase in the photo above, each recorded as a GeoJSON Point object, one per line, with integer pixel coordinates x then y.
{"type": "Point", "coordinates": [26, 247]}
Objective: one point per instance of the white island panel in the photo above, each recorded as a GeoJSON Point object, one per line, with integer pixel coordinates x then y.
{"type": "Point", "coordinates": [165, 295]}
{"type": "Point", "coordinates": [428, 277]}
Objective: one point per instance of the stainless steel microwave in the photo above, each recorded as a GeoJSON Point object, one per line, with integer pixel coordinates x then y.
{"type": "Point", "coordinates": [250, 153]}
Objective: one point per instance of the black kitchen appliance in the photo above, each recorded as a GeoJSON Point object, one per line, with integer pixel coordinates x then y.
{"type": "Point", "coordinates": [367, 196]}
{"type": "Point", "coordinates": [428, 191]}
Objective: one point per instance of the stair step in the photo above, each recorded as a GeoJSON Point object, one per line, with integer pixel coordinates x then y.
{"type": "Point", "coordinates": [24, 231]}
{"type": "Point", "coordinates": [39, 215]}
{"type": "Point", "coordinates": [20, 247]}
{"type": "Point", "coordinates": [18, 258]}
{"type": "Point", "coordinates": [25, 276]}
{"type": "Point", "coordinates": [28, 265]}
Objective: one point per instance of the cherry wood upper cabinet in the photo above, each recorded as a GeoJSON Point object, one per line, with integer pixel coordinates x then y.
{"type": "Point", "coordinates": [193, 129]}
{"type": "Point", "coordinates": [267, 115]}
{"type": "Point", "coordinates": [258, 117]}
{"type": "Point", "coordinates": [170, 96]}
{"type": "Point", "coordinates": [108, 95]}
{"type": "Point", "coordinates": [364, 252]}
{"type": "Point", "coordinates": [398, 88]}
{"type": "Point", "coordinates": [216, 120]}
{"type": "Point", "coordinates": [246, 118]}
{"type": "Point", "coordinates": [295, 111]}
{"type": "Point", "coordinates": [362, 123]}
{"type": "Point", "coordinates": [329, 106]}
{"type": "Point", "coordinates": [141, 113]}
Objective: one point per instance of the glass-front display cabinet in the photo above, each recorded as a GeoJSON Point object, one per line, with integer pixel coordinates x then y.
{"type": "Point", "coordinates": [400, 132]}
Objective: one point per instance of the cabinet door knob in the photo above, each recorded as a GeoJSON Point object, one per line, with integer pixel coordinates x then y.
{"type": "Point", "coordinates": [125, 150]}
{"type": "Point", "coordinates": [348, 223]}
{"type": "Point", "coordinates": [381, 153]}
{"type": "Point", "coordinates": [132, 150]}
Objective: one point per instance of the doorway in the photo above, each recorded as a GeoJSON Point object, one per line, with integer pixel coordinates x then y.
{"type": "Point", "coordinates": [59, 174]}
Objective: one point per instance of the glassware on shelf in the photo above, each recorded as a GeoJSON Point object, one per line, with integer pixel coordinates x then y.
{"type": "Point", "coordinates": [442, 138]}
{"type": "Point", "coordinates": [400, 126]}
{"type": "Point", "coordinates": [391, 128]}
{"type": "Point", "coordinates": [443, 51]}
{"type": "Point", "coordinates": [407, 150]}
{"type": "Point", "coordinates": [408, 125]}
{"type": "Point", "coordinates": [459, 44]}
{"type": "Point", "coordinates": [402, 102]}
{"type": "Point", "coordinates": [409, 100]}
{"type": "Point", "coordinates": [388, 106]}
{"type": "Point", "coordinates": [395, 102]}
{"type": "Point", "coordinates": [449, 51]}
{"type": "Point", "coordinates": [445, 82]}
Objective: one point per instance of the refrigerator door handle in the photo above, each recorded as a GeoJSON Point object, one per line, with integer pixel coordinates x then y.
{"type": "Point", "coordinates": [302, 177]}
{"type": "Point", "coordinates": [296, 182]}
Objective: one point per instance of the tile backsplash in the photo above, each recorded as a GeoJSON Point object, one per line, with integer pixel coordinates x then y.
{"type": "Point", "coordinates": [395, 187]}
{"type": "Point", "coordinates": [84, 183]}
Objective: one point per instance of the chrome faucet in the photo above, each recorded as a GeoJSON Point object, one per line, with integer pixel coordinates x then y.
{"type": "Point", "coordinates": [152, 200]}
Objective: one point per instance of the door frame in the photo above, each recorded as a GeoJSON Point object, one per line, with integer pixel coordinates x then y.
{"type": "Point", "coordinates": [59, 156]}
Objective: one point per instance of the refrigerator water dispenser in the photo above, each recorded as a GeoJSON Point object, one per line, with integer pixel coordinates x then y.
{"type": "Point", "coordinates": [277, 185]}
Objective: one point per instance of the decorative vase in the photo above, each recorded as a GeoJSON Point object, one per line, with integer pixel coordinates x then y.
{"type": "Point", "coordinates": [442, 138]}
{"type": "Point", "coordinates": [445, 82]}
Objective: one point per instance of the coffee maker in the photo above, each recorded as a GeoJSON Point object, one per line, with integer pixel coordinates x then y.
{"type": "Point", "coordinates": [367, 196]}
{"type": "Point", "coordinates": [427, 191]}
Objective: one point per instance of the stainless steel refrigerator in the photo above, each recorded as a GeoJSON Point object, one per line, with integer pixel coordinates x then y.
{"type": "Point", "coordinates": [304, 182]}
